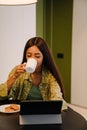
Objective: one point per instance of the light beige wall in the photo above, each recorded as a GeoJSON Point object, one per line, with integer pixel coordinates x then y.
{"type": "Point", "coordinates": [79, 54]}
{"type": "Point", "coordinates": [17, 24]}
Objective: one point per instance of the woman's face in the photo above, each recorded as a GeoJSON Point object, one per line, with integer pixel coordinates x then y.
{"type": "Point", "coordinates": [34, 52]}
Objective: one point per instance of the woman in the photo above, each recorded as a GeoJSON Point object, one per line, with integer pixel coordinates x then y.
{"type": "Point", "coordinates": [44, 83]}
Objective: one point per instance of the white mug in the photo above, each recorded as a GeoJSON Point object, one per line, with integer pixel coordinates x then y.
{"type": "Point", "coordinates": [31, 65]}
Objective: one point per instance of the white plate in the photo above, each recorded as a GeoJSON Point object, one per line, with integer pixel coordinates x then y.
{"type": "Point", "coordinates": [2, 108]}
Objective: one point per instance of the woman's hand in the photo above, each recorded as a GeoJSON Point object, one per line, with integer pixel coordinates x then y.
{"type": "Point", "coordinates": [19, 70]}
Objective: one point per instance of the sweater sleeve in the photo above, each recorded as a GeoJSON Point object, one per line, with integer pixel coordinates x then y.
{"type": "Point", "coordinates": [3, 86]}
{"type": "Point", "coordinates": [3, 89]}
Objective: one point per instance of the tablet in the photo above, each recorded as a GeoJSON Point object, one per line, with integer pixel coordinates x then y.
{"type": "Point", "coordinates": [40, 112]}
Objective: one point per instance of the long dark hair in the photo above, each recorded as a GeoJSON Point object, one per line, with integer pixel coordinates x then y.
{"type": "Point", "coordinates": [48, 60]}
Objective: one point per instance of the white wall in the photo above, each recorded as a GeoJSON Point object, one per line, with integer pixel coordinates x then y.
{"type": "Point", "coordinates": [79, 54]}
{"type": "Point", "coordinates": [17, 25]}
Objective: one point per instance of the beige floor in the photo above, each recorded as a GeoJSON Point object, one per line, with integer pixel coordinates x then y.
{"type": "Point", "coordinates": [81, 110]}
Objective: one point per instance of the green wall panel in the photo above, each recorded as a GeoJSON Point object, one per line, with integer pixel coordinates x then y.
{"type": "Point", "coordinates": [57, 31]}
{"type": "Point", "coordinates": [40, 18]}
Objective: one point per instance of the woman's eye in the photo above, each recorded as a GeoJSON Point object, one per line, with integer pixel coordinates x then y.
{"type": "Point", "coordinates": [28, 55]}
{"type": "Point", "coordinates": [37, 56]}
